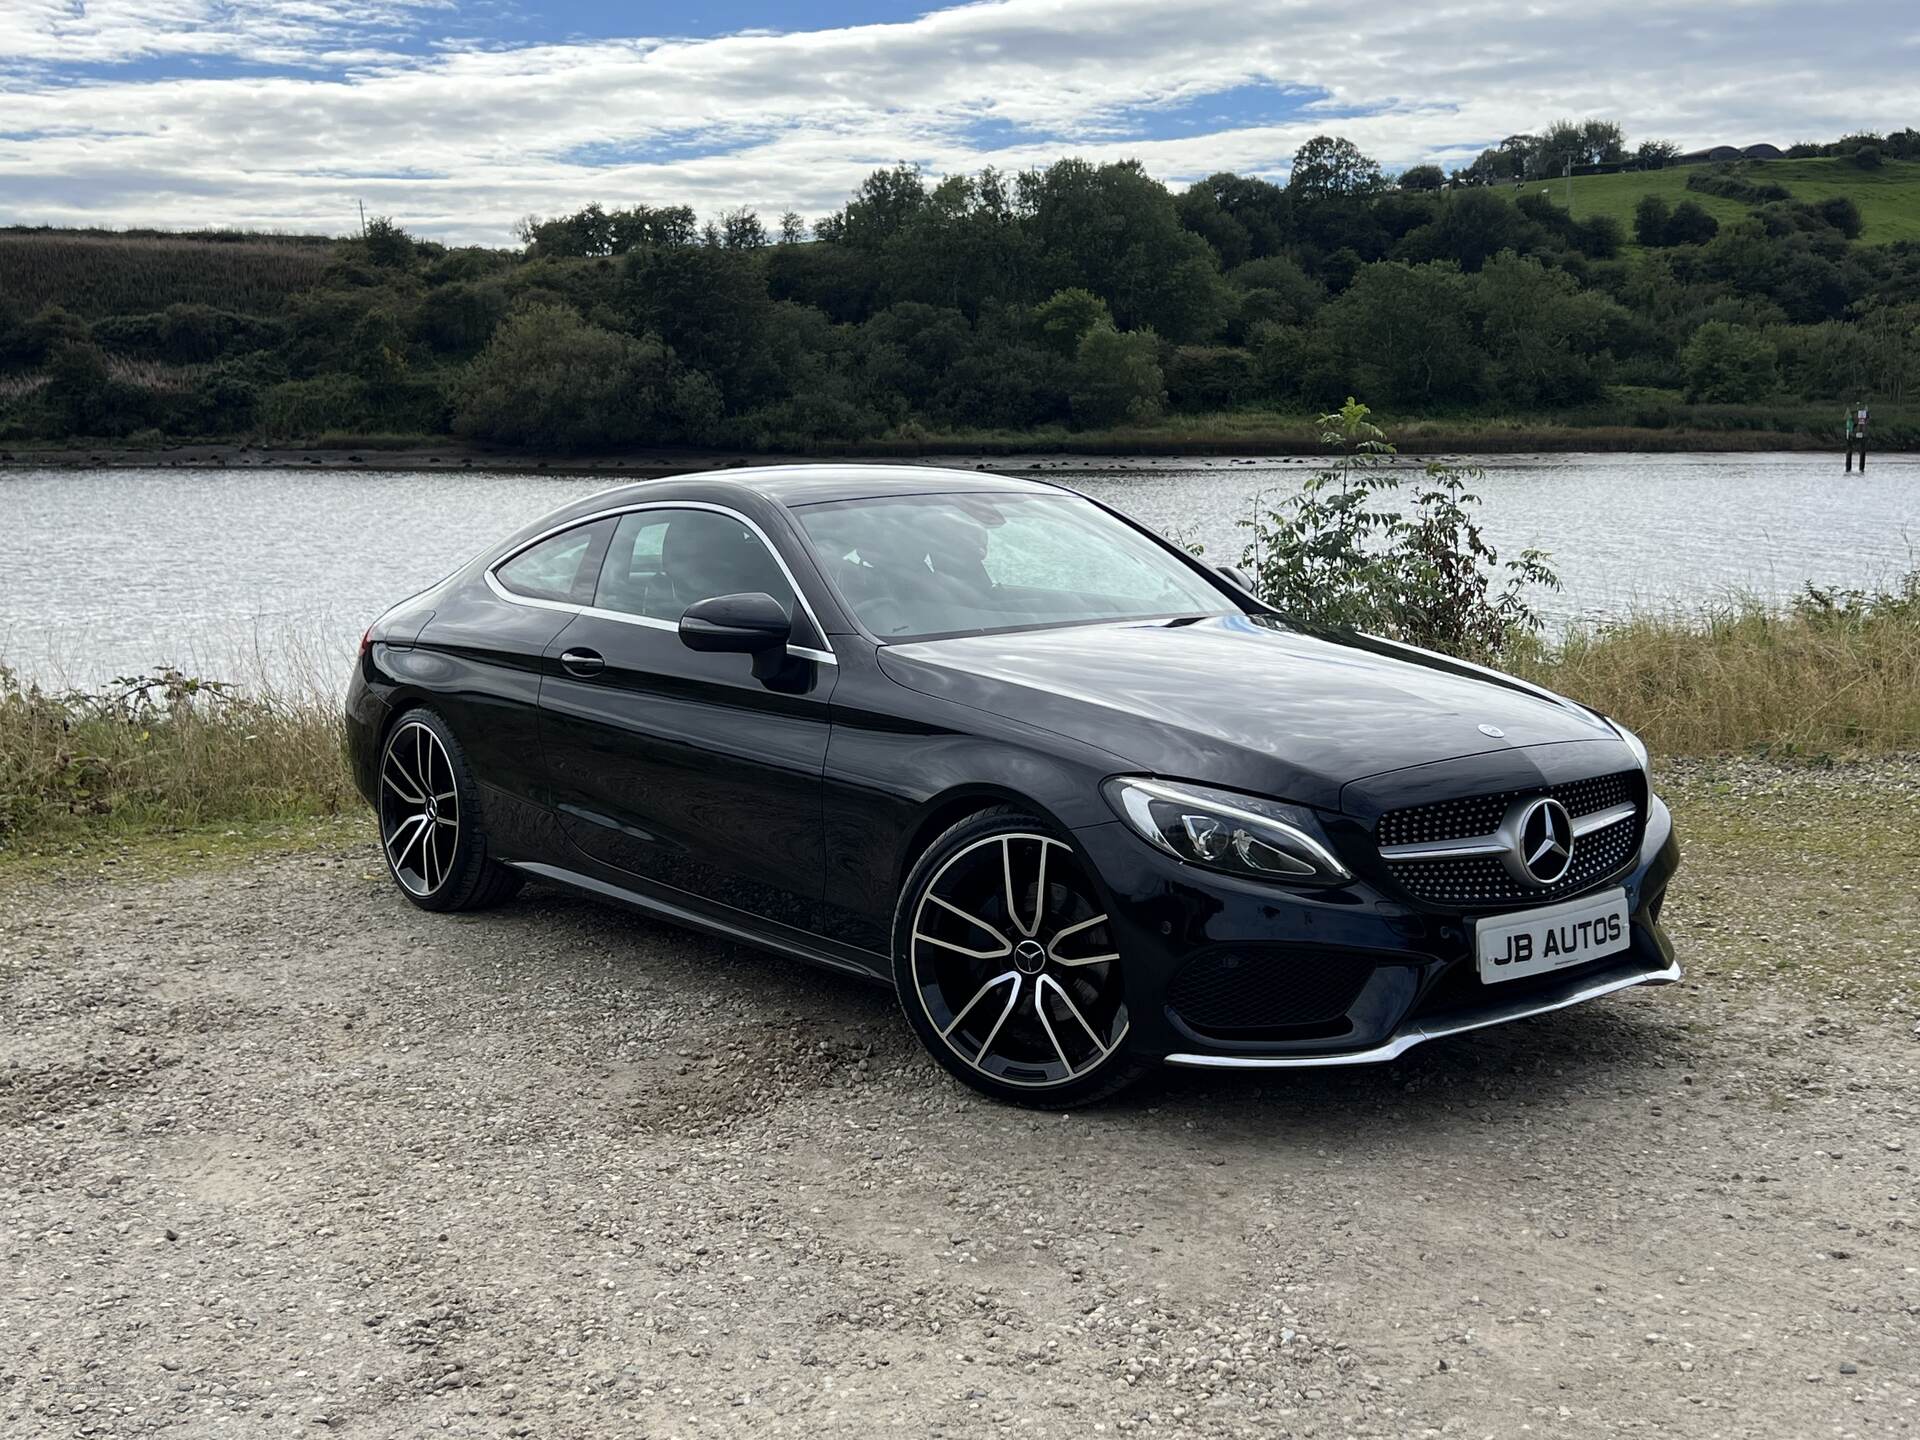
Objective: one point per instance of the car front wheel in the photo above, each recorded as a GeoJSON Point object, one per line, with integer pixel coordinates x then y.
{"type": "Point", "coordinates": [1008, 968]}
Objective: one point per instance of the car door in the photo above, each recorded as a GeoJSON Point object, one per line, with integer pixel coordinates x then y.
{"type": "Point", "coordinates": [480, 655]}
{"type": "Point", "coordinates": [680, 768]}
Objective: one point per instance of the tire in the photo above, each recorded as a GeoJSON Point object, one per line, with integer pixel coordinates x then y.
{"type": "Point", "coordinates": [1004, 962]}
{"type": "Point", "coordinates": [424, 775]}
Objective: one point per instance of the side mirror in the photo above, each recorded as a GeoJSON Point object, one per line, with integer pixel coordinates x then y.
{"type": "Point", "coordinates": [750, 624]}
{"type": "Point", "coordinates": [1237, 576]}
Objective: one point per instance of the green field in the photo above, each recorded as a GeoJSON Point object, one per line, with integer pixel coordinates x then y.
{"type": "Point", "coordinates": [1889, 198]}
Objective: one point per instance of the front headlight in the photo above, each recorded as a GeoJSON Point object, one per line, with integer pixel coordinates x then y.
{"type": "Point", "coordinates": [1635, 744]}
{"type": "Point", "coordinates": [1240, 834]}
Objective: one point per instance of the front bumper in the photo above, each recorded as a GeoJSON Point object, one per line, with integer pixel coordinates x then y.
{"type": "Point", "coordinates": [1590, 986]}
{"type": "Point", "coordinates": [1410, 967]}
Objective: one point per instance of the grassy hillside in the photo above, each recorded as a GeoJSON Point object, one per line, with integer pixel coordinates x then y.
{"type": "Point", "coordinates": [94, 274]}
{"type": "Point", "coordinates": [1889, 198]}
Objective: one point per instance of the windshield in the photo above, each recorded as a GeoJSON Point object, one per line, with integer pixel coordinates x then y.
{"type": "Point", "coordinates": [919, 567]}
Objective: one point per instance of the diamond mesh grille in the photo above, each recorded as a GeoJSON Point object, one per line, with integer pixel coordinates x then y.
{"type": "Point", "coordinates": [1481, 880]}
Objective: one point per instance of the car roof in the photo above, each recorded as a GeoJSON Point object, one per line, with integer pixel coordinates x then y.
{"type": "Point", "coordinates": [819, 484]}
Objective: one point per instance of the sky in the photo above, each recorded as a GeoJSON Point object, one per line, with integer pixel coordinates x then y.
{"type": "Point", "coordinates": [458, 119]}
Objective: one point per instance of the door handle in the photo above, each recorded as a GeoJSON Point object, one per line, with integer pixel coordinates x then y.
{"type": "Point", "coordinates": [583, 663]}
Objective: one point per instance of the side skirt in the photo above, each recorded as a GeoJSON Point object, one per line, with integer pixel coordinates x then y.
{"type": "Point", "coordinates": [692, 919]}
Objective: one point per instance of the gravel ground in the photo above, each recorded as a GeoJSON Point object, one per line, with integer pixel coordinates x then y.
{"type": "Point", "coordinates": [280, 1155]}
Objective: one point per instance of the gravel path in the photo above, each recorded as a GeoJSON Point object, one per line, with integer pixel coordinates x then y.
{"type": "Point", "coordinates": [281, 1156]}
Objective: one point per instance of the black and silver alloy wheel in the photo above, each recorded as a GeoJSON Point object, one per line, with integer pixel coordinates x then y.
{"type": "Point", "coordinates": [431, 829]}
{"type": "Point", "coordinates": [1009, 967]}
{"type": "Point", "coordinates": [419, 808]}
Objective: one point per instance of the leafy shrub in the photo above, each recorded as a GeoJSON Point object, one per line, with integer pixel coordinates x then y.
{"type": "Point", "coordinates": [549, 378]}
{"type": "Point", "coordinates": [1337, 554]}
{"type": "Point", "coordinates": [184, 334]}
{"type": "Point", "coordinates": [1209, 377]}
{"type": "Point", "coordinates": [322, 405]}
{"type": "Point", "coordinates": [459, 318]}
{"type": "Point", "coordinates": [1729, 364]}
{"type": "Point", "coordinates": [1729, 186]}
{"type": "Point", "coordinates": [1116, 377]}
{"type": "Point", "coordinates": [1066, 318]}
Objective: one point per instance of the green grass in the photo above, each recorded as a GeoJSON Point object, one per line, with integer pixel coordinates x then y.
{"type": "Point", "coordinates": [1889, 198]}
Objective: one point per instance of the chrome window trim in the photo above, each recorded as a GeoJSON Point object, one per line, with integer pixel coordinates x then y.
{"type": "Point", "coordinates": [648, 622]}
{"type": "Point", "coordinates": [1497, 844]}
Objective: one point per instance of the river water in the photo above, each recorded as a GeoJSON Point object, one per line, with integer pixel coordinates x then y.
{"type": "Point", "coordinates": [274, 572]}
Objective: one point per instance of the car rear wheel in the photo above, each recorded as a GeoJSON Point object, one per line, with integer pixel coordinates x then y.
{"type": "Point", "coordinates": [431, 827]}
{"type": "Point", "coordinates": [1007, 966]}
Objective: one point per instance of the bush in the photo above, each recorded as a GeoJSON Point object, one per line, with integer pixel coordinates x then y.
{"type": "Point", "coordinates": [1116, 377]}
{"type": "Point", "coordinates": [184, 334]}
{"type": "Point", "coordinates": [1650, 217]}
{"type": "Point", "coordinates": [1336, 554]}
{"type": "Point", "coordinates": [1728, 186]}
{"type": "Point", "coordinates": [1690, 224]}
{"type": "Point", "coordinates": [1065, 319]}
{"type": "Point", "coordinates": [1867, 157]}
{"type": "Point", "coordinates": [1729, 365]}
{"type": "Point", "coordinates": [1209, 377]}
{"type": "Point", "coordinates": [548, 378]}
{"type": "Point", "coordinates": [298, 409]}
{"type": "Point", "coordinates": [164, 749]}
{"type": "Point", "coordinates": [459, 318]}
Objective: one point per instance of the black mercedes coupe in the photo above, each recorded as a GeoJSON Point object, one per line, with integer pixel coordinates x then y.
{"type": "Point", "coordinates": [1085, 803]}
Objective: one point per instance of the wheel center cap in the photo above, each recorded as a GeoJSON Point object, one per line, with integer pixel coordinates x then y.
{"type": "Point", "coordinates": [433, 809]}
{"type": "Point", "coordinates": [1029, 956]}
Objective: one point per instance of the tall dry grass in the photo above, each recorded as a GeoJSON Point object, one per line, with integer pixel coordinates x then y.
{"type": "Point", "coordinates": [163, 751]}
{"type": "Point", "coordinates": [1837, 672]}
{"type": "Point", "coordinates": [94, 275]}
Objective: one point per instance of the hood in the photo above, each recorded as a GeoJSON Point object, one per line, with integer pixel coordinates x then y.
{"type": "Point", "coordinates": [1244, 701]}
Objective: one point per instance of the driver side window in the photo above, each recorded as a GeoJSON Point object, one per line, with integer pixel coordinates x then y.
{"type": "Point", "coordinates": [663, 560]}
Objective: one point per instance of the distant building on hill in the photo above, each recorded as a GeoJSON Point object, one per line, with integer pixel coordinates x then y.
{"type": "Point", "coordinates": [1721, 154]}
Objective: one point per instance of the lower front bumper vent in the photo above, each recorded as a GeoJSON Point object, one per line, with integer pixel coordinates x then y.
{"type": "Point", "coordinates": [1261, 993]}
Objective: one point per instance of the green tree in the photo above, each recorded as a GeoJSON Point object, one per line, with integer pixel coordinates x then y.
{"type": "Point", "coordinates": [1655, 154]}
{"type": "Point", "coordinates": [1544, 338]}
{"type": "Point", "coordinates": [1116, 377]}
{"type": "Point", "coordinates": [387, 245]}
{"type": "Point", "coordinates": [548, 378]}
{"type": "Point", "coordinates": [1064, 319]}
{"type": "Point", "coordinates": [1729, 365]}
{"type": "Point", "coordinates": [1422, 177]}
{"type": "Point", "coordinates": [1406, 332]}
{"type": "Point", "coordinates": [1651, 216]}
{"type": "Point", "coordinates": [1331, 165]}
{"type": "Point", "coordinates": [1690, 224]}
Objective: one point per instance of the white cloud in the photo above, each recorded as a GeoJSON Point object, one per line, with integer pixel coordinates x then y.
{"type": "Point", "coordinates": [459, 140]}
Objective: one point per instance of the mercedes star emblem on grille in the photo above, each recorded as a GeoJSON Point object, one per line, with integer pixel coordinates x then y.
{"type": "Point", "coordinates": [1541, 848]}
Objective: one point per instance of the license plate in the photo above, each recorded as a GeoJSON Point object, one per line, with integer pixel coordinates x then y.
{"type": "Point", "coordinates": [1535, 942]}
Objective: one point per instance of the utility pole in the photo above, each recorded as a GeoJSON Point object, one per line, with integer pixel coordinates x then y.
{"type": "Point", "coordinates": [363, 218]}
{"type": "Point", "coordinates": [1569, 188]}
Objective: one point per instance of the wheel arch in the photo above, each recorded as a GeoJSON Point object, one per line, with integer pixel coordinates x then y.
{"type": "Point", "coordinates": [943, 811]}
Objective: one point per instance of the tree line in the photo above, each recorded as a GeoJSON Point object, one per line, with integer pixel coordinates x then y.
{"type": "Point", "coordinates": [1082, 295]}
